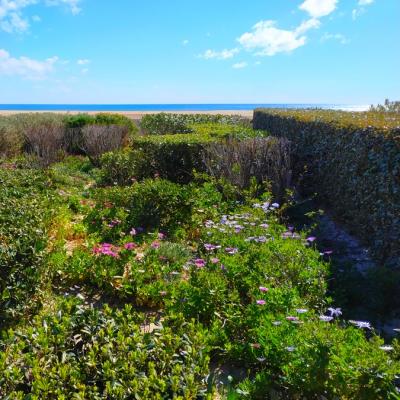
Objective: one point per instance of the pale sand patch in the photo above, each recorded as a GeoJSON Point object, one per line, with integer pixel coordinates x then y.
{"type": "Point", "coordinates": [139, 114]}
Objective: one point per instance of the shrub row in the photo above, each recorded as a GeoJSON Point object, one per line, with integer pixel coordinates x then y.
{"type": "Point", "coordinates": [24, 216]}
{"type": "Point", "coordinates": [48, 136]}
{"type": "Point", "coordinates": [352, 160]}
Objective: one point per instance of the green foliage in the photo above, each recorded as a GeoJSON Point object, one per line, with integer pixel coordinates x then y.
{"type": "Point", "coordinates": [83, 353]}
{"type": "Point", "coordinates": [151, 204]}
{"type": "Point", "coordinates": [24, 217]}
{"type": "Point", "coordinates": [352, 160]}
{"type": "Point", "coordinates": [174, 156]}
{"type": "Point", "coordinates": [162, 123]}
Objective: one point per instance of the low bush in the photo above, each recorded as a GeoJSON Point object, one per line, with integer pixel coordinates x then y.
{"type": "Point", "coordinates": [90, 354]}
{"type": "Point", "coordinates": [162, 123]}
{"type": "Point", "coordinates": [173, 157]}
{"type": "Point", "coordinates": [151, 204]}
{"type": "Point", "coordinates": [352, 160]}
{"type": "Point", "coordinates": [24, 216]}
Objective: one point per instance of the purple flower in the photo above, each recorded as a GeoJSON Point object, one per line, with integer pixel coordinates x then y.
{"type": "Point", "coordinates": [275, 205]}
{"type": "Point", "coordinates": [214, 260]}
{"type": "Point", "coordinates": [311, 239]}
{"type": "Point", "coordinates": [161, 236]}
{"type": "Point", "coordinates": [325, 318]}
{"type": "Point", "coordinates": [265, 226]}
{"type": "Point", "coordinates": [211, 247]}
{"type": "Point", "coordinates": [223, 268]}
{"type": "Point", "coordinates": [231, 250]}
{"type": "Point", "coordinates": [362, 324]}
{"type": "Point", "coordinates": [130, 246]}
{"type": "Point", "coordinates": [199, 263]}
{"type": "Point", "coordinates": [335, 312]}
{"type": "Point", "coordinates": [261, 302]}
{"type": "Point", "coordinates": [301, 310]}
{"type": "Point", "coordinates": [290, 348]}
{"type": "Point", "coordinates": [263, 289]}
{"type": "Point", "coordinates": [291, 318]}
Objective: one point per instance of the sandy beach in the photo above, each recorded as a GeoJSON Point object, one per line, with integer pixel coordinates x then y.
{"type": "Point", "coordinates": [138, 114]}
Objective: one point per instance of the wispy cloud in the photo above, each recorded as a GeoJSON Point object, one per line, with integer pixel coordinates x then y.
{"type": "Point", "coordinates": [12, 19]}
{"type": "Point", "coordinates": [185, 42]}
{"type": "Point", "coordinates": [83, 61]}
{"type": "Point", "coordinates": [240, 65]}
{"type": "Point", "coordinates": [26, 67]}
{"type": "Point", "coordinates": [319, 8]}
{"type": "Point", "coordinates": [335, 36]}
{"type": "Point", "coordinates": [361, 8]}
{"type": "Point", "coordinates": [219, 55]}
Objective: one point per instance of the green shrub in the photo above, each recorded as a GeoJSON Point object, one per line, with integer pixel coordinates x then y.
{"type": "Point", "coordinates": [352, 160]}
{"type": "Point", "coordinates": [85, 353]}
{"type": "Point", "coordinates": [162, 123]}
{"type": "Point", "coordinates": [173, 157]}
{"type": "Point", "coordinates": [24, 216]}
{"type": "Point", "coordinates": [151, 204]}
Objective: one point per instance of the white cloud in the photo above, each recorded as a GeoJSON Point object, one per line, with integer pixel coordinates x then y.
{"type": "Point", "coordinates": [319, 8]}
{"type": "Point", "coordinates": [365, 2]}
{"type": "Point", "coordinates": [360, 10]}
{"type": "Point", "coordinates": [84, 61]}
{"type": "Point", "coordinates": [36, 18]}
{"type": "Point", "coordinates": [267, 40]}
{"type": "Point", "coordinates": [185, 42]}
{"type": "Point", "coordinates": [219, 55]}
{"type": "Point", "coordinates": [336, 36]}
{"type": "Point", "coordinates": [24, 66]}
{"type": "Point", "coordinates": [73, 5]}
{"type": "Point", "coordinates": [240, 65]}
{"type": "Point", "coordinates": [11, 12]}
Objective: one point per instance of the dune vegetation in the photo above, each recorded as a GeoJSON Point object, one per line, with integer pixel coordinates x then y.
{"type": "Point", "coordinates": [161, 262]}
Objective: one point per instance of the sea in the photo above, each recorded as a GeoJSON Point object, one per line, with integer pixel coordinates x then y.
{"type": "Point", "coordinates": [173, 107]}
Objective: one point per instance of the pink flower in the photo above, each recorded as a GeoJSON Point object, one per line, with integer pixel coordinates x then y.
{"type": "Point", "coordinates": [263, 289]}
{"type": "Point", "coordinates": [261, 302]}
{"type": "Point", "coordinates": [290, 318]}
{"type": "Point", "coordinates": [130, 246]}
{"type": "Point", "coordinates": [199, 263]}
{"type": "Point", "coordinates": [155, 244]}
{"type": "Point", "coordinates": [214, 260]}
{"type": "Point", "coordinates": [161, 236]}
{"type": "Point", "coordinates": [133, 232]}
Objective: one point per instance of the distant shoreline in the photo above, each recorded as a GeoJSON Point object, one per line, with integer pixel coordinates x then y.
{"type": "Point", "coordinates": [134, 114]}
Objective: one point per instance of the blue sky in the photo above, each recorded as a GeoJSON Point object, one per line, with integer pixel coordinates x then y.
{"type": "Point", "coordinates": [185, 51]}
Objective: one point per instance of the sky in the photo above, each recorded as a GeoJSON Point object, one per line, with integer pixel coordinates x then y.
{"type": "Point", "coordinates": [208, 51]}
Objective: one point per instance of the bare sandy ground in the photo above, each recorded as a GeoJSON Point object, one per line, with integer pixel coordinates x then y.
{"type": "Point", "coordinates": [140, 114]}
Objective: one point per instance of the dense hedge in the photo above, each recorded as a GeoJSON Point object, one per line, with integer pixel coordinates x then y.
{"type": "Point", "coordinates": [173, 156]}
{"type": "Point", "coordinates": [352, 160]}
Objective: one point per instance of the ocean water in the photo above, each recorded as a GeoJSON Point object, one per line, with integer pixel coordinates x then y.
{"type": "Point", "coordinates": [171, 107]}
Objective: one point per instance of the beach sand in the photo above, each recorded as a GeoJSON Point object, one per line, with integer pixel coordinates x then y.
{"type": "Point", "coordinates": [136, 115]}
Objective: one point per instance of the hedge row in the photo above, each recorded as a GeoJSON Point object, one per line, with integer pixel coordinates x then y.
{"type": "Point", "coordinates": [173, 157]}
{"type": "Point", "coordinates": [352, 160]}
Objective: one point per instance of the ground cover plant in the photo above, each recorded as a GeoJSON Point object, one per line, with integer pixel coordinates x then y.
{"type": "Point", "coordinates": [150, 288]}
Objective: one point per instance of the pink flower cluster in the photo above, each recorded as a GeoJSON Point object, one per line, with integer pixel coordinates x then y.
{"type": "Point", "coordinates": [106, 249]}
